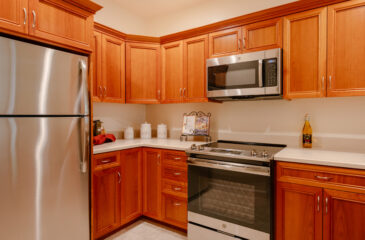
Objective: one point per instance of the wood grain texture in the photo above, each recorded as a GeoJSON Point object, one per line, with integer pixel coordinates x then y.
{"type": "Point", "coordinates": [152, 183]}
{"type": "Point", "coordinates": [12, 15]}
{"type": "Point", "coordinates": [225, 42]}
{"type": "Point", "coordinates": [175, 211]}
{"type": "Point", "coordinates": [172, 83]}
{"type": "Point", "coordinates": [346, 49]}
{"type": "Point", "coordinates": [131, 170]}
{"type": "Point", "coordinates": [305, 54]}
{"type": "Point", "coordinates": [298, 213]}
{"type": "Point", "coordinates": [263, 35]}
{"type": "Point", "coordinates": [195, 55]}
{"type": "Point", "coordinates": [113, 69]}
{"type": "Point", "coordinates": [143, 73]}
{"type": "Point", "coordinates": [95, 60]}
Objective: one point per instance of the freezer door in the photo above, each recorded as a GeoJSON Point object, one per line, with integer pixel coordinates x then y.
{"type": "Point", "coordinates": [44, 185]}
{"type": "Point", "coordinates": [36, 80]}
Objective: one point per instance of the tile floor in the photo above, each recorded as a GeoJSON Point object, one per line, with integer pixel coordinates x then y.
{"type": "Point", "coordinates": [147, 230]}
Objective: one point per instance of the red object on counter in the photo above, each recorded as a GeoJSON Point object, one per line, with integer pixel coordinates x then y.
{"type": "Point", "coordinates": [103, 138]}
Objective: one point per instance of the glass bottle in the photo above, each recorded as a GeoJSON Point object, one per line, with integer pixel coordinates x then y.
{"type": "Point", "coordinates": [307, 133]}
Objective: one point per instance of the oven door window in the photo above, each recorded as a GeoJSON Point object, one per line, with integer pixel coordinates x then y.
{"type": "Point", "coordinates": [235, 197]}
{"type": "Point", "coordinates": [234, 76]}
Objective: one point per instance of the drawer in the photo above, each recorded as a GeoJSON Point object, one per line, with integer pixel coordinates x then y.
{"type": "Point", "coordinates": [174, 188]}
{"type": "Point", "coordinates": [106, 160]}
{"type": "Point", "coordinates": [174, 158]}
{"type": "Point", "coordinates": [174, 173]}
{"type": "Point", "coordinates": [320, 174]}
{"type": "Point", "coordinates": [175, 210]}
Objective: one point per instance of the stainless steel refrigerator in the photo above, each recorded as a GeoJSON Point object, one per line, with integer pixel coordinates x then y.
{"type": "Point", "coordinates": [44, 143]}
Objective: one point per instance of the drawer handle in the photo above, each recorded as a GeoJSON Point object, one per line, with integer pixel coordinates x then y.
{"type": "Point", "coordinates": [177, 174]}
{"type": "Point", "coordinates": [177, 204]}
{"type": "Point", "coordinates": [106, 161]}
{"type": "Point", "coordinates": [323, 178]}
{"type": "Point", "coordinates": [177, 158]}
{"type": "Point", "coordinates": [177, 188]}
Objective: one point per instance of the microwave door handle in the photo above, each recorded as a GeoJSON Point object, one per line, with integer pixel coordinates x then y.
{"type": "Point", "coordinates": [261, 82]}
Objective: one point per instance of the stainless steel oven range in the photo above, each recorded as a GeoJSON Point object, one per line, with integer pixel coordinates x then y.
{"type": "Point", "coordinates": [229, 190]}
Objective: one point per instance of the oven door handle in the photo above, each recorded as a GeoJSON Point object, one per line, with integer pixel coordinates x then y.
{"type": "Point", "coordinates": [236, 167]}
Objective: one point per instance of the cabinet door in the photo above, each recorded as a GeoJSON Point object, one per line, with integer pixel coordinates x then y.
{"type": "Point", "coordinates": [175, 210]}
{"type": "Point", "coordinates": [172, 72]}
{"type": "Point", "coordinates": [343, 215]}
{"type": "Point", "coordinates": [97, 83]}
{"type": "Point", "coordinates": [298, 212]}
{"type": "Point", "coordinates": [60, 22]}
{"type": "Point", "coordinates": [14, 15]}
{"type": "Point", "coordinates": [113, 69]}
{"type": "Point", "coordinates": [152, 183]}
{"type": "Point", "coordinates": [131, 169]}
{"type": "Point", "coordinates": [195, 55]}
{"type": "Point", "coordinates": [143, 73]}
{"type": "Point", "coordinates": [106, 200]}
{"type": "Point", "coordinates": [346, 49]}
{"type": "Point", "coordinates": [226, 42]}
{"type": "Point", "coordinates": [305, 54]}
{"type": "Point", "coordinates": [263, 35]}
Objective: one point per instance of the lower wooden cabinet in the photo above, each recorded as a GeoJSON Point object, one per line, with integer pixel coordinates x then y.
{"type": "Point", "coordinates": [175, 210]}
{"type": "Point", "coordinates": [314, 202]}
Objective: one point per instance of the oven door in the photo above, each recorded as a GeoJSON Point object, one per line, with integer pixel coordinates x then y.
{"type": "Point", "coordinates": [232, 199]}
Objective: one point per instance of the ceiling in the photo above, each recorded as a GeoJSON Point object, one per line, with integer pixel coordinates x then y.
{"type": "Point", "coordinates": [153, 8]}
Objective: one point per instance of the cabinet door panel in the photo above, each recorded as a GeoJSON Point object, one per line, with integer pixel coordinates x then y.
{"type": "Point", "coordinates": [131, 169]}
{"type": "Point", "coordinates": [143, 73]}
{"type": "Point", "coordinates": [172, 72]}
{"type": "Point", "coordinates": [226, 42]}
{"type": "Point", "coordinates": [152, 183]}
{"type": "Point", "coordinates": [305, 54]}
{"type": "Point", "coordinates": [175, 210]}
{"type": "Point", "coordinates": [13, 15]}
{"type": "Point", "coordinates": [97, 93]}
{"type": "Point", "coordinates": [298, 212]}
{"type": "Point", "coordinates": [195, 55]}
{"type": "Point", "coordinates": [346, 49]}
{"type": "Point", "coordinates": [113, 69]}
{"type": "Point", "coordinates": [60, 22]}
{"type": "Point", "coordinates": [344, 214]}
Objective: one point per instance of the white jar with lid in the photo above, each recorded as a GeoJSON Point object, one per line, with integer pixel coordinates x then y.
{"type": "Point", "coordinates": [146, 130]}
{"type": "Point", "coordinates": [129, 133]}
{"type": "Point", "coordinates": [161, 131]}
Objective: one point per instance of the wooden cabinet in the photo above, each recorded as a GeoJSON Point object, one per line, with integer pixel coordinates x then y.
{"type": "Point", "coordinates": [143, 73]}
{"type": "Point", "coordinates": [172, 72]}
{"type": "Point", "coordinates": [195, 55]}
{"type": "Point", "coordinates": [106, 193]}
{"type": "Point", "coordinates": [346, 49]}
{"type": "Point", "coordinates": [262, 35]}
{"type": "Point", "coordinates": [226, 42]}
{"type": "Point", "coordinates": [152, 183]}
{"type": "Point", "coordinates": [174, 210]}
{"type": "Point", "coordinates": [316, 202]}
{"type": "Point", "coordinates": [131, 172]}
{"type": "Point", "coordinates": [305, 54]}
{"type": "Point", "coordinates": [14, 15]}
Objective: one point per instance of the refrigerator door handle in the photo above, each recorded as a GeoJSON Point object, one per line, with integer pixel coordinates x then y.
{"type": "Point", "coordinates": [84, 144]}
{"type": "Point", "coordinates": [83, 88]}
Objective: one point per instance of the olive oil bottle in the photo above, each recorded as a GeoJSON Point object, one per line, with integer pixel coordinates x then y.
{"type": "Point", "coordinates": [307, 133]}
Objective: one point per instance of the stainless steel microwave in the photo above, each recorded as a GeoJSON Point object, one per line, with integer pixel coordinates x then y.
{"type": "Point", "coordinates": [245, 76]}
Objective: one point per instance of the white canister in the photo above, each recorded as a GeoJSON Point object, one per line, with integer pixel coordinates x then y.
{"type": "Point", "coordinates": [146, 130]}
{"type": "Point", "coordinates": [129, 133]}
{"type": "Point", "coordinates": [162, 131]}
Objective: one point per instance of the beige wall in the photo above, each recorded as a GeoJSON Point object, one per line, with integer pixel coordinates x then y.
{"type": "Point", "coordinates": [338, 123]}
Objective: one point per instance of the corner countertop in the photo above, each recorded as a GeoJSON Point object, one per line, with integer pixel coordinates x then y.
{"type": "Point", "coordinates": [121, 144]}
{"type": "Point", "coordinates": [322, 157]}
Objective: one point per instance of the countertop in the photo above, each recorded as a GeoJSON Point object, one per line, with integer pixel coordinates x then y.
{"type": "Point", "coordinates": [322, 157]}
{"type": "Point", "coordinates": [121, 144]}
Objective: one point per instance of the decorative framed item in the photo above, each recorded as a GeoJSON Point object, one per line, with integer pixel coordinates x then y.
{"type": "Point", "coordinates": [196, 124]}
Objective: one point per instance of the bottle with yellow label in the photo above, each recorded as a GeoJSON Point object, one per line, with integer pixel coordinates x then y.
{"type": "Point", "coordinates": [307, 133]}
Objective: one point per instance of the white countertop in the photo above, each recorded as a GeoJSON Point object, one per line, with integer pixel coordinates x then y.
{"type": "Point", "coordinates": [120, 144]}
{"type": "Point", "coordinates": [322, 157]}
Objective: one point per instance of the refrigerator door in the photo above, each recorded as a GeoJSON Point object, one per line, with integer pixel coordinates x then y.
{"type": "Point", "coordinates": [36, 80]}
{"type": "Point", "coordinates": [43, 181]}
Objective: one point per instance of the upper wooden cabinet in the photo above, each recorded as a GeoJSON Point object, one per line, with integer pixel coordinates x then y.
{"type": "Point", "coordinates": [346, 49]}
{"type": "Point", "coordinates": [226, 42]}
{"type": "Point", "coordinates": [95, 68]}
{"type": "Point", "coordinates": [14, 15]}
{"type": "Point", "coordinates": [305, 54]}
{"type": "Point", "coordinates": [172, 72]}
{"type": "Point", "coordinates": [263, 35]}
{"type": "Point", "coordinates": [143, 73]}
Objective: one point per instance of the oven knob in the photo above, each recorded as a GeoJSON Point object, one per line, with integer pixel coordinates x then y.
{"type": "Point", "coordinates": [200, 147]}
{"type": "Point", "coordinates": [193, 147]}
{"type": "Point", "coordinates": [264, 154]}
{"type": "Point", "coordinates": [253, 153]}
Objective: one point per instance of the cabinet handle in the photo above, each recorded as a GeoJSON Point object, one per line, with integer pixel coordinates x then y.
{"type": "Point", "coordinates": [100, 91]}
{"type": "Point", "coordinates": [34, 18]}
{"type": "Point", "coordinates": [119, 177]}
{"type": "Point", "coordinates": [177, 174]}
{"type": "Point", "coordinates": [159, 159]}
{"type": "Point", "coordinates": [159, 94]}
{"type": "Point", "coordinates": [330, 81]}
{"type": "Point", "coordinates": [239, 44]}
{"type": "Point", "coordinates": [177, 204]}
{"type": "Point", "coordinates": [324, 178]}
{"type": "Point", "coordinates": [318, 200]}
{"type": "Point", "coordinates": [184, 90]}
{"type": "Point", "coordinates": [244, 42]}
{"type": "Point", "coordinates": [177, 158]}
{"type": "Point", "coordinates": [322, 82]}
{"type": "Point", "coordinates": [106, 161]}
{"type": "Point", "coordinates": [25, 15]}
{"type": "Point", "coordinates": [104, 91]}
{"type": "Point", "coordinates": [181, 92]}
{"type": "Point", "coordinates": [326, 205]}
{"type": "Point", "coordinates": [177, 188]}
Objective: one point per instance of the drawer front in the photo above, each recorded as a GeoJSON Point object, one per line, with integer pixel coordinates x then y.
{"type": "Point", "coordinates": [174, 173]}
{"type": "Point", "coordinates": [321, 174]}
{"type": "Point", "coordinates": [174, 158]}
{"type": "Point", "coordinates": [175, 210]}
{"type": "Point", "coordinates": [174, 188]}
{"type": "Point", "coordinates": [106, 160]}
